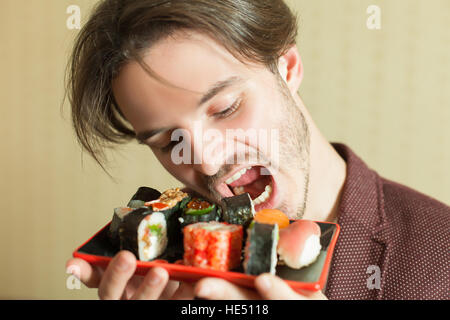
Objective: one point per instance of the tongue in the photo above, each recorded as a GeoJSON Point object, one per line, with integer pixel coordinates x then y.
{"type": "Point", "coordinates": [252, 181]}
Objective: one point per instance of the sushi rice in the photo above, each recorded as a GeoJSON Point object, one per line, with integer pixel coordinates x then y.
{"type": "Point", "coordinates": [309, 253]}
{"type": "Point", "coordinates": [299, 244]}
{"type": "Point", "coordinates": [152, 236]}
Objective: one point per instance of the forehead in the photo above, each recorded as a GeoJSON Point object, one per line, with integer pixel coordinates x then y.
{"type": "Point", "coordinates": [191, 62]}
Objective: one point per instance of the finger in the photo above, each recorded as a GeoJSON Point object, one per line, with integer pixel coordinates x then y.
{"type": "Point", "coordinates": [184, 292]}
{"type": "Point", "coordinates": [153, 285]}
{"type": "Point", "coordinates": [170, 290]}
{"type": "Point", "coordinates": [87, 274]}
{"type": "Point", "coordinates": [132, 286]}
{"type": "Point", "coordinates": [219, 289]}
{"type": "Point", "coordinates": [274, 288]}
{"type": "Point", "coordinates": [312, 295]}
{"type": "Point", "coordinates": [116, 276]}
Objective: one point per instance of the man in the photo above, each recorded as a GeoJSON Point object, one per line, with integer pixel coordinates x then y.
{"type": "Point", "coordinates": [166, 72]}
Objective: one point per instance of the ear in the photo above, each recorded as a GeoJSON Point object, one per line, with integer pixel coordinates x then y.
{"type": "Point", "coordinates": [291, 69]}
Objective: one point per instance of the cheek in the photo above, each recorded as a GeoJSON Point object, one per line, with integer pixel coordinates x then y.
{"type": "Point", "coordinates": [259, 116]}
{"type": "Point", "coordinates": [180, 172]}
{"type": "Point", "coordinates": [251, 116]}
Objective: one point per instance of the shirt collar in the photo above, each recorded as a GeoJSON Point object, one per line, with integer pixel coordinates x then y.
{"type": "Point", "coordinates": [362, 200]}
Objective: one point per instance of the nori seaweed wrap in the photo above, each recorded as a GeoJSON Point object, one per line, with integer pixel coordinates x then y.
{"type": "Point", "coordinates": [238, 209]}
{"type": "Point", "coordinates": [118, 216]}
{"type": "Point", "coordinates": [171, 203]}
{"type": "Point", "coordinates": [143, 195]}
{"type": "Point", "coordinates": [144, 233]}
{"type": "Point", "coordinates": [260, 253]}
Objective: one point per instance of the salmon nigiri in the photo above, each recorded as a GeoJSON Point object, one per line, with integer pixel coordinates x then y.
{"type": "Point", "coordinates": [272, 216]}
{"type": "Point", "coordinates": [299, 244]}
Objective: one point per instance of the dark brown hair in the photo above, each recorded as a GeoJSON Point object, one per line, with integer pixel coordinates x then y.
{"type": "Point", "coordinates": [119, 30]}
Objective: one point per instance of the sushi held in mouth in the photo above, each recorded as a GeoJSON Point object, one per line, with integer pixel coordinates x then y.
{"type": "Point", "coordinates": [257, 182]}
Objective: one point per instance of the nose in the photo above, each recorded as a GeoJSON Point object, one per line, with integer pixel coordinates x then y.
{"type": "Point", "coordinates": [208, 153]}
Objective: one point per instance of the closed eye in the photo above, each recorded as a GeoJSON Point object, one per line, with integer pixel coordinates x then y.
{"type": "Point", "coordinates": [228, 111]}
{"type": "Point", "coordinates": [169, 147]}
{"type": "Point", "coordinates": [219, 115]}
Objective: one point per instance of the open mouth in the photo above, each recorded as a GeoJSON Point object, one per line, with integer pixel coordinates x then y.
{"type": "Point", "coordinates": [258, 182]}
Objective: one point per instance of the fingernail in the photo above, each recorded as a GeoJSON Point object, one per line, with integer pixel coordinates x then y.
{"type": "Point", "coordinates": [264, 282]}
{"type": "Point", "coordinates": [204, 291]}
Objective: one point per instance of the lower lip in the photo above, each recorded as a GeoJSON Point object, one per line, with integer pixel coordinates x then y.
{"type": "Point", "coordinates": [272, 200]}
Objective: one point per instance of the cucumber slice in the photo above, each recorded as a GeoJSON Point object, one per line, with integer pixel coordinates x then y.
{"type": "Point", "coordinates": [213, 215]}
{"type": "Point", "coordinates": [199, 212]}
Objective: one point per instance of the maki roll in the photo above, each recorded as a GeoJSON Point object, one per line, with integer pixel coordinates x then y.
{"type": "Point", "coordinates": [213, 245]}
{"type": "Point", "coordinates": [144, 233]}
{"type": "Point", "coordinates": [199, 210]}
{"type": "Point", "coordinates": [113, 232]}
{"type": "Point", "coordinates": [143, 195]}
{"type": "Point", "coordinates": [171, 203]}
{"type": "Point", "coordinates": [299, 244]}
{"type": "Point", "coordinates": [260, 253]}
{"type": "Point", "coordinates": [238, 209]}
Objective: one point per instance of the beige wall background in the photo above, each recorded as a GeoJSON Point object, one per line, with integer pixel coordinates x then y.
{"type": "Point", "coordinates": [383, 92]}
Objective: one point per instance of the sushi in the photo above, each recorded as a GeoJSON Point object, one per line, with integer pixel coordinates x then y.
{"type": "Point", "coordinates": [238, 210]}
{"type": "Point", "coordinates": [171, 203]}
{"type": "Point", "coordinates": [213, 245]}
{"type": "Point", "coordinates": [144, 233]}
{"type": "Point", "coordinates": [299, 244]}
{"type": "Point", "coordinates": [171, 199]}
{"type": "Point", "coordinates": [113, 231]}
{"type": "Point", "coordinates": [143, 195]}
{"type": "Point", "coordinates": [272, 216]}
{"type": "Point", "coordinates": [260, 253]}
{"type": "Point", "coordinates": [199, 210]}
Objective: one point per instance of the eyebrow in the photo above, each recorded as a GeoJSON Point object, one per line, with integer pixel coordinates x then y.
{"type": "Point", "coordinates": [218, 87]}
{"type": "Point", "coordinates": [211, 93]}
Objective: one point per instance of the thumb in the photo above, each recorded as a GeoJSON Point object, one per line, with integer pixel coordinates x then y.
{"type": "Point", "coordinates": [274, 288]}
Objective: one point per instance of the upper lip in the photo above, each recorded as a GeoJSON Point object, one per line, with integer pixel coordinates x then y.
{"type": "Point", "coordinates": [229, 175]}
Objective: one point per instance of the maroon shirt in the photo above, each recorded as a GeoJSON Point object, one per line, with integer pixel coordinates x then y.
{"type": "Point", "coordinates": [388, 226]}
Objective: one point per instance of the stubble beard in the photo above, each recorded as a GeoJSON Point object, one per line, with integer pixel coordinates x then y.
{"type": "Point", "coordinates": [294, 155]}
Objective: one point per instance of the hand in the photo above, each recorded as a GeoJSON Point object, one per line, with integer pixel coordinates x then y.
{"type": "Point", "coordinates": [119, 282]}
{"type": "Point", "coordinates": [267, 286]}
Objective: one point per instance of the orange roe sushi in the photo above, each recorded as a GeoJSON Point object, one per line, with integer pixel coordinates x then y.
{"type": "Point", "coordinates": [272, 216]}
{"type": "Point", "coordinates": [213, 245]}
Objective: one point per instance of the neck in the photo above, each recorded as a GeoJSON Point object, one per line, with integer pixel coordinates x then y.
{"type": "Point", "coordinates": [327, 176]}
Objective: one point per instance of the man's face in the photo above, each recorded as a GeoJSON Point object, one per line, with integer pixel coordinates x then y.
{"type": "Point", "coordinates": [231, 116]}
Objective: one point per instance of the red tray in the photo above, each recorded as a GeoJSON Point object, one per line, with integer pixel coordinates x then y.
{"type": "Point", "coordinates": [99, 251]}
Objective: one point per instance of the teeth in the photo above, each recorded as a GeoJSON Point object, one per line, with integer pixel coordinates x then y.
{"type": "Point", "coordinates": [238, 190]}
{"type": "Point", "coordinates": [265, 172]}
{"type": "Point", "coordinates": [236, 176]}
{"type": "Point", "coordinates": [263, 196]}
